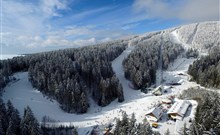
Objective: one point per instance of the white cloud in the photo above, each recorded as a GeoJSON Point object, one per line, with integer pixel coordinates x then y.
{"type": "Point", "coordinates": [50, 6]}
{"type": "Point", "coordinates": [130, 26]}
{"type": "Point", "coordinates": [87, 31]}
{"type": "Point", "coordinates": [201, 10]}
{"type": "Point", "coordinates": [90, 12]}
{"type": "Point", "coordinates": [37, 42]}
{"type": "Point", "coordinates": [187, 10]}
{"type": "Point", "coordinates": [30, 18]}
{"type": "Point", "coordinates": [79, 30]}
{"type": "Point", "coordinates": [29, 44]}
{"type": "Point", "coordinates": [25, 24]}
{"type": "Point", "coordinates": [28, 25]}
{"type": "Point", "coordinates": [82, 42]}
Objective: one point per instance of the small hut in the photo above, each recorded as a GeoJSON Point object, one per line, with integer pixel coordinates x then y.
{"type": "Point", "coordinates": [158, 91]}
{"type": "Point", "coordinates": [166, 101]}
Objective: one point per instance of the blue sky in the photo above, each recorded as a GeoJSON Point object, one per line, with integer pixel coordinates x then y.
{"type": "Point", "coordinates": [40, 25]}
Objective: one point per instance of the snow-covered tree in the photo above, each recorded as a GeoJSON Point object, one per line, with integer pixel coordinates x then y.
{"type": "Point", "coordinates": [29, 124]}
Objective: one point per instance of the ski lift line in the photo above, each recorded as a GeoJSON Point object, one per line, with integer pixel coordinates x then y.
{"type": "Point", "coordinates": [179, 65]}
{"type": "Point", "coordinates": [160, 68]}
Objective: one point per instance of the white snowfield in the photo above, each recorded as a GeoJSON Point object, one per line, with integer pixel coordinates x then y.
{"type": "Point", "coordinates": [21, 94]}
{"type": "Point", "coordinates": [8, 56]}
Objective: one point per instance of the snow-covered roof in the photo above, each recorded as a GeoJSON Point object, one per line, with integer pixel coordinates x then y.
{"type": "Point", "coordinates": [157, 112]}
{"type": "Point", "coordinates": [166, 101]}
{"type": "Point", "coordinates": [179, 107]}
{"type": "Point", "coordinates": [158, 90]}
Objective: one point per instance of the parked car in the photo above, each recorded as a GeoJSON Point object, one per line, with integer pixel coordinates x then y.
{"type": "Point", "coordinates": [154, 125]}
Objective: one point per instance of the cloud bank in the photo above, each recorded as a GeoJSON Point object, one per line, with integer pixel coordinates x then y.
{"type": "Point", "coordinates": [28, 26]}
{"type": "Point", "coordinates": [186, 10]}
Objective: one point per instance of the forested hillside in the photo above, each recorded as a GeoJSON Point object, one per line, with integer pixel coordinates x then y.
{"type": "Point", "coordinates": [200, 35]}
{"type": "Point", "coordinates": [206, 70]}
{"type": "Point", "coordinates": [141, 65]}
{"type": "Point", "coordinates": [207, 117]}
{"type": "Point", "coordinates": [10, 66]}
{"type": "Point", "coordinates": [12, 124]}
{"type": "Point", "coordinates": [71, 76]}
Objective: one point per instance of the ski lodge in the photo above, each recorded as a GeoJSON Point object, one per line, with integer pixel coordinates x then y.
{"type": "Point", "coordinates": [154, 114]}
{"type": "Point", "coordinates": [178, 109]}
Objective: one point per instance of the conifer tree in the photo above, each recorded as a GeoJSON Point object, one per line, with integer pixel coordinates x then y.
{"type": "Point", "coordinates": [3, 116]}
{"type": "Point", "coordinates": [1, 128]}
{"type": "Point", "coordinates": [29, 124]}
{"type": "Point", "coordinates": [75, 131]}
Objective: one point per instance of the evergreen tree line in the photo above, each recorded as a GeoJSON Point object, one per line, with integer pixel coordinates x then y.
{"type": "Point", "coordinates": [61, 130]}
{"type": "Point", "coordinates": [12, 124]}
{"type": "Point", "coordinates": [8, 67]}
{"type": "Point", "coordinates": [71, 76]}
{"type": "Point", "coordinates": [129, 126]}
{"type": "Point", "coordinates": [141, 64]}
{"type": "Point", "coordinates": [207, 116]}
{"type": "Point", "coordinates": [16, 64]}
{"type": "Point", "coordinates": [206, 70]}
{"type": "Point", "coordinates": [192, 53]}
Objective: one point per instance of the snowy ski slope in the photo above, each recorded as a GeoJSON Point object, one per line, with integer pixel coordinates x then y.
{"type": "Point", "coordinates": [21, 93]}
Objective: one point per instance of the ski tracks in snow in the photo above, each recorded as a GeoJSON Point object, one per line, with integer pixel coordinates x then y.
{"type": "Point", "coordinates": [191, 38]}
{"type": "Point", "coordinates": [175, 37]}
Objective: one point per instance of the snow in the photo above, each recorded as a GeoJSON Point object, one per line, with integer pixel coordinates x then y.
{"type": "Point", "coordinates": [188, 116]}
{"type": "Point", "coordinates": [21, 93]}
{"type": "Point", "coordinates": [8, 56]}
{"type": "Point", "coordinates": [175, 38]}
{"type": "Point", "coordinates": [129, 93]}
{"type": "Point", "coordinates": [156, 111]}
{"type": "Point", "coordinates": [200, 35]}
{"type": "Point", "coordinates": [179, 107]}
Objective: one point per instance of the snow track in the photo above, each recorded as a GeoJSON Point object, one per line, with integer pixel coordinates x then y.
{"type": "Point", "coordinates": [118, 69]}
{"type": "Point", "coordinates": [191, 38]}
{"type": "Point", "coordinates": [175, 38]}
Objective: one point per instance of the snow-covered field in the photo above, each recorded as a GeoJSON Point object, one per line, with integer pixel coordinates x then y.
{"type": "Point", "coordinates": [21, 93]}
